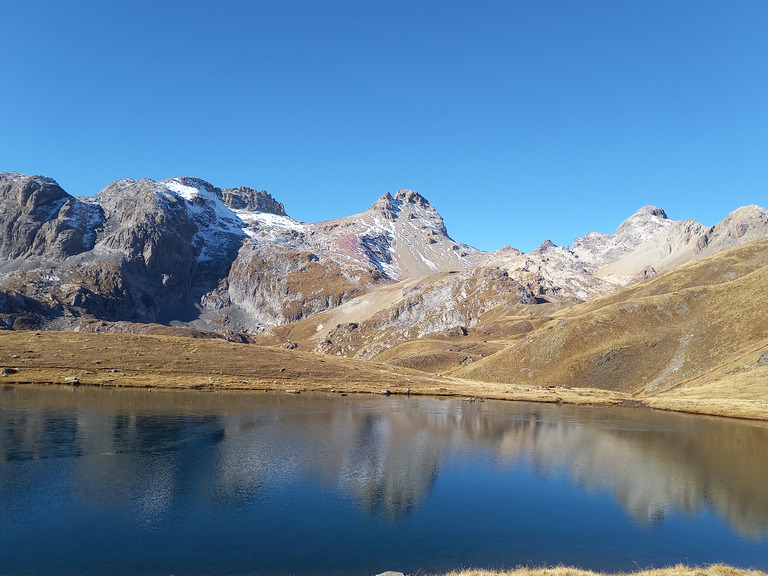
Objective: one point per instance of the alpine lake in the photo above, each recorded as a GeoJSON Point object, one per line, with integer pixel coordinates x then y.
{"type": "Point", "coordinates": [139, 482]}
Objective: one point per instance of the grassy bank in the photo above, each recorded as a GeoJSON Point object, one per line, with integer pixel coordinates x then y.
{"type": "Point", "coordinates": [142, 361]}
{"type": "Point", "coordinates": [680, 570]}
{"type": "Point", "coordinates": [152, 361]}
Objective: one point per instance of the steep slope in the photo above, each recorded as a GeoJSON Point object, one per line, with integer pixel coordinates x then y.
{"type": "Point", "coordinates": [38, 219]}
{"type": "Point", "coordinates": [403, 236]}
{"type": "Point", "coordinates": [440, 306]}
{"type": "Point", "coordinates": [704, 324]}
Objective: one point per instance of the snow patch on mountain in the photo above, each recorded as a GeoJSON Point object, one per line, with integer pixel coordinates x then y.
{"type": "Point", "coordinates": [417, 239]}
{"type": "Point", "coordinates": [268, 226]}
{"type": "Point", "coordinates": [213, 218]}
{"type": "Point", "coordinates": [206, 208]}
{"type": "Point", "coordinates": [88, 216]}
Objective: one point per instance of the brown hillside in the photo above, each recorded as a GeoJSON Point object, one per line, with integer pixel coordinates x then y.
{"type": "Point", "coordinates": [694, 334]}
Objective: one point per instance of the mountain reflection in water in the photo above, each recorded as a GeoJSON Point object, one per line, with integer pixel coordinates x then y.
{"type": "Point", "coordinates": [385, 453]}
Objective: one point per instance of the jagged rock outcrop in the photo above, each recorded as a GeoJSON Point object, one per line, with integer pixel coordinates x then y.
{"type": "Point", "coordinates": [244, 198]}
{"type": "Point", "coordinates": [447, 304]}
{"type": "Point", "coordinates": [40, 220]}
{"type": "Point", "coordinates": [279, 286]}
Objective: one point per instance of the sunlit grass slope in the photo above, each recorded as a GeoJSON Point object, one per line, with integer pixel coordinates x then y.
{"type": "Point", "coordinates": [680, 570]}
{"type": "Point", "coordinates": [694, 339]}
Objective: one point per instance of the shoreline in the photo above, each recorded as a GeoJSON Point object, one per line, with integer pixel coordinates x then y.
{"type": "Point", "coordinates": [678, 570]}
{"type": "Point", "coordinates": [172, 362]}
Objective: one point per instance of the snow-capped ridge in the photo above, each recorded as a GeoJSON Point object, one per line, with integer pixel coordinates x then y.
{"type": "Point", "coordinates": [235, 211]}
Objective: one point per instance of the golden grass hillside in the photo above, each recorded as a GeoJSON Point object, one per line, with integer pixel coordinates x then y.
{"type": "Point", "coordinates": [179, 362]}
{"type": "Point", "coordinates": [683, 340]}
{"type": "Point", "coordinates": [160, 361]}
{"type": "Point", "coordinates": [680, 570]}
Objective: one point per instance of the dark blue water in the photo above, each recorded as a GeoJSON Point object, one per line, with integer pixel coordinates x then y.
{"type": "Point", "coordinates": [131, 482]}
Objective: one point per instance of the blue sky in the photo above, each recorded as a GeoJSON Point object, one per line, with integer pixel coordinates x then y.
{"type": "Point", "coordinates": [519, 120]}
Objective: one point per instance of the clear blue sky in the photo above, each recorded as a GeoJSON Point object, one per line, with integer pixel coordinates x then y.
{"type": "Point", "coordinates": [520, 120]}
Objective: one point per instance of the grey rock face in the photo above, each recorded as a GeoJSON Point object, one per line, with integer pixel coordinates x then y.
{"type": "Point", "coordinates": [278, 284]}
{"type": "Point", "coordinates": [176, 252]}
{"type": "Point", "coordinates": [243, 198]}
{"type": "Point", "coordinates": [126, 254]}
{"type": "Point", "coordinates": [437, 307]}
{"type": "Point", "coordinates": [39, 219]}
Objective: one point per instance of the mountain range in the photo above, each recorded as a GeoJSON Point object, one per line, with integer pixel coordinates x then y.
{"type": "Point", "coordinates": [184, 257]}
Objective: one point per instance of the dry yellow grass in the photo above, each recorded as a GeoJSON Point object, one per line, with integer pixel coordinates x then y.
{"type": "Point", "coordinates": [440, 356]}
{"type": "Point", "coordinates": [680, 570]}
{"type": "Point", "coordinates": [688, 340]}
{"type": "Point", "coordinates": [155, 361]}
{"type": "Point", "coordinates": [740, 394]}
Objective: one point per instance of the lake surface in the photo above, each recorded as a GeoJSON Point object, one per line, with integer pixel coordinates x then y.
{"type": "Point", "coordinates": [120, 482]}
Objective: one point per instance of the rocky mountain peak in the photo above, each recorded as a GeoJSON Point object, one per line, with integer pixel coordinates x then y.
{"type": "Point", "coordinates": [387, 206]}
{"type": "Point", "coordinates": [410, 204]}
{"type": "Point", "coordinates": [31, 192]}
{"type": "Point", "coordinates": [545, 247]}
{"type": "Point", "coordinates": [402, 236]}
{"type": "Point", "coordinates": [39, 220]}
{"type": "Point", "coordinates": [641, 226]}
{"type": "Point", "coordinates": [649, 210]}
{"type": "Point", "coordinates": [244, 198]}
{"type": "Point", "coordinates": [240, 198]}
{"type": "Point", "coordinates": [198, 183]}
{"type": "Point", "coordinates": [411, 197]}
{"type": "Point", "coordinates": [508, 250]}
{"type": "Point", "coordinates": [742, 220]}
{"type": "Point", "coordinates": [401, 199]}
{"type": "Point", "coordinates": [647, 215]}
